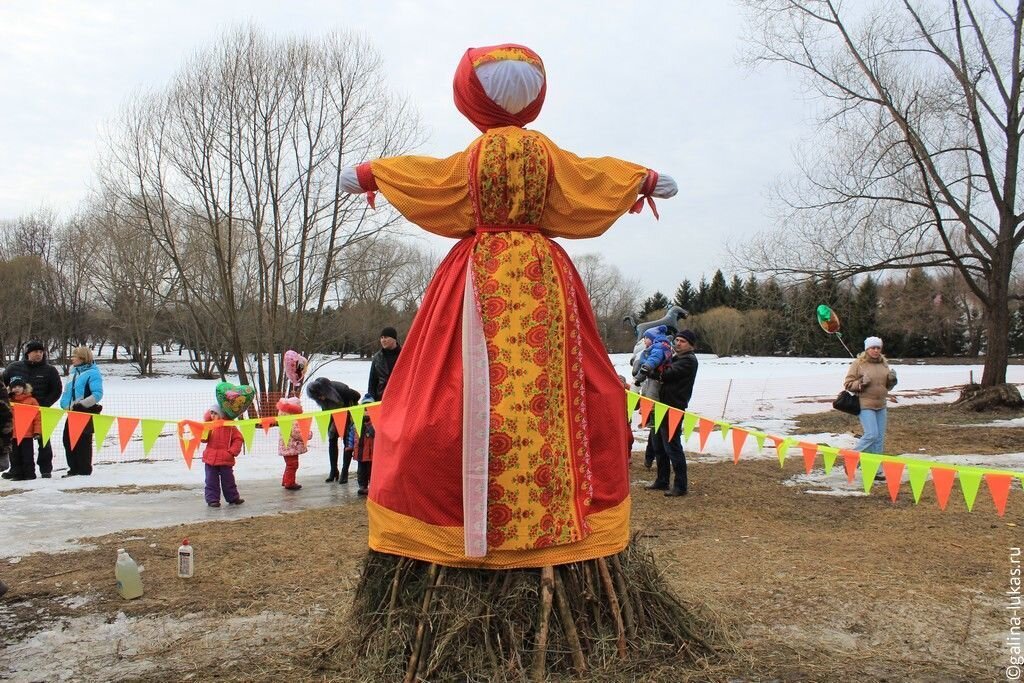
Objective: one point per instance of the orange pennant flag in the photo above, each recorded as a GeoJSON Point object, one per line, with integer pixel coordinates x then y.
{"type": "Point", "coordinates": [646, 405]}
{"type": "Point", "coordinates": [738, 437]}
{"type": "Point", "coordinates": [373, 411]}
{"type": "Point", "coordinates": [999, 487]}
{"type": "Point", "coordinates": [340, 419]}
{"type": "Point", "coordinates": [189, 446]}
{"type": "Point", "coordinates": [893, 477]}
{"type": "Point", "coordinates": [810, 453]}
{"type": "Point", "coordinates": [125, 428]}
{"type": "Point", "coordinates": [943, 477]}
{"type": "Point", "coordinates": [77, 423]}
{"type": "Point", "coordinates": [704, 428]}
{"type": "Point", "coordinates": [267, 423]}
{"type": "Point", "coordinates": [24, 416]}
{"type": "Point", "coordinates": [305, 428]}
{"type": "Point", "coordinates": [675, 416]}
{"type": "Point", "coordinates": [850, 460]}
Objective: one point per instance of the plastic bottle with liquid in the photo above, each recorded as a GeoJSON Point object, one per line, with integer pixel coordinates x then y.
{"type": "Point", "coordinates": [185, 560]}
{"type": "Point", "coordinates": [126, 571]}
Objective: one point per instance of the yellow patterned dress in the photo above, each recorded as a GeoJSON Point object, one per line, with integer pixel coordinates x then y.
{"type": "Point", "coordinates": [502, 436]}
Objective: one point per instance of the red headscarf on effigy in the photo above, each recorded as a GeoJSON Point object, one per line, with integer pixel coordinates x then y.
{"type": "Point", "coordinates": [472, 100]}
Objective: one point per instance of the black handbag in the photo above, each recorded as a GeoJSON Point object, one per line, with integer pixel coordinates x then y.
{"type": "Point", "coordinates": [847, 403]}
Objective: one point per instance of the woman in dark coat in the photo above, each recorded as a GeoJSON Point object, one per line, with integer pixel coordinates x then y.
{"type": "Point", "coordinates": [329, 396]}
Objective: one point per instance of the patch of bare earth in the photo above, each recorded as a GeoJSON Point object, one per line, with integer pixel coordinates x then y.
{"type": "Point", "coordinates": [129, 489]}
{"type": "Point", "coordinates": [813, 588]}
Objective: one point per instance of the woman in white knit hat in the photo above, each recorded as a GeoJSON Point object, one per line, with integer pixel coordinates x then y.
{"type": "Point", "coordinates": [871, 378]}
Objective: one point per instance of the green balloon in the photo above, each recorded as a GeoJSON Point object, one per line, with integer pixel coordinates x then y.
{"type": "Point", "coordinates": [824, 313]}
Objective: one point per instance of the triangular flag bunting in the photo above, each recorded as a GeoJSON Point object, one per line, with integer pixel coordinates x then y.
{"type": "Point", "coordinates": [24, 416]}
{"type": "Point", "coordinates": [725, 426]}
{"type": "Point", "coordinates": [828, 458]}
{"type": "Point", "coordinates": [125, 428]}
{"type": "Point", "coordinates": [850, 460]}
{"type": "Point", "coordinates": [150, 430]}
{"type": "Point", "coordinates": [284, 425]}
{"type": "Point", "coordinates": [675, 416]}
{"type": "Point", "coordinates": [893, 476]}
{"type": "Point", "coordinates": [267, 423]}
{"type": "Point", "coordinates": [759, 438]}
{"type": "Point", "coordinates": [999, 487]}
{"type": "Point", "coordinates": [248, 429]}
{"type": "Point", "coordinates": [868, 470]}
{"type": "Point", "coordinates": [645, 410]}
{"type": "Point", "coordinates": [305, 428]}
{"type": "Point", "coordinates": [102, 425]}
{"type": "Point", "coordinates": [188, 444]}
{"type": "Point", "coordinates": [632, 398]}
{"type": "Point", "coordinates": [918, 475]}
{"type": "Point", "coordinates": [942, 477]}
{"type": "Point", "coordinates": [50, 418]}
{"type": "Point", "coordinates": [810, 453]}
{"type": "Point", "coordinates": [76, 423]}
{"type": "Point", "coordinates": [782, 448]}
{"type": "Point", "coordinates": [689, 422]}
{"type": "Point", "coordinates": [704, 427]}
{"type": "Point", "coordinates": [659, 414]}
{"type": "Point", "coordinates": [357, 418]}
{"type": "Point", "coordinates": [373, 411]}
{"type": "Point", "coordinates": [970, 482]}
{"type": "Point", "coordinates": [739, 436]}
{"type": "Point", "coordinates": [323, 424]}
{"type": "Point", "coordinates": [339, 417]}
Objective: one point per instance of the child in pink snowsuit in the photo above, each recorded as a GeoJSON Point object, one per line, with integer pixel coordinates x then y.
{"type": "Point", "coordinates": [291, 445]}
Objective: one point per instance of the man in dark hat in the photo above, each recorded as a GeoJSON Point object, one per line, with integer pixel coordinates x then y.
{"type": "Point", "coordinates": [36, 370]}
{"type": "Point", "coordinates": [676, 389]}
{"type": "Point", "coordinates": [383, 362]}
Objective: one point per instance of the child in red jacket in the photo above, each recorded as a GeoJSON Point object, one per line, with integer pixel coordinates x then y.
{"type": "Point", "coordinates": [223, 444]}
{"type": "Point", "coordinates": [292, 445]}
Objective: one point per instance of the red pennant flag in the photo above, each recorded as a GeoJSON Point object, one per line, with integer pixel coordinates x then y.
{"type": "Point", "coordinates": [125, 428]}
{"type": "Point", "coordinates": [340, 419]}
{"type": "Point", "coordinates": [893, 477]}
{"type": "Point", "coordinates": [189, 446]}
{"type": "Point", "coordinates": [738, 437]}
{"type": "Point", "coordinates": [77, 423]}
{"type": "Point", "coordinates": [943, 477]}
{"type": "Point", "coordinates": [675, 416]}
{"type": "Point", "coordinates": [305, 428]}
{"type": "Point", "coordinates": [704, 427]}
{"type": "Point", "coordinates": [373, 411]}
{"type": "Point", "coordinates": [267, 423]}
{"type": "Point", "coordinates": [646, 405]}
{"type": "Point", "coordinates": [777, 440]}
{"type": "Point", "coordinates": [24, 415]}
{"type": "Point", "coordinates": [850, 460]}
{"type": "Point", "coordinates": [810, 453]}
{"type": "Point", "coordinates": [999, 487]}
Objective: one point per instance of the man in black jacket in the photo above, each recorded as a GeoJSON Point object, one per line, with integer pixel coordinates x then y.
{"type": "Point", "coordinates": [383, 362]}
{"type": "Point", "coordinates": [35, 369]}
{"type": "Point", "coordinates": [676, 389]}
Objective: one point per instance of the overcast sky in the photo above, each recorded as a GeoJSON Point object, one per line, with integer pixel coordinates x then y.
{"type": "Point", "coordinates": [660, 84]}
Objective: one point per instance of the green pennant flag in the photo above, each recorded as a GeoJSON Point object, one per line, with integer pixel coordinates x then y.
{"type": "Point", "coordinates": [659, 414]}
{"type": "Point", "coordinates": [868, 467]}
{"type": "Point", "coordinates": [781, 449]}
{"type": "Point", "coordinates": [918, 476]}
{"type": "Point", "coordinates": [323, 423]}
{"type": "Point", "coordinates": [689, 422]}
{"type": "Point", "coordinates": [970, 480]}
{"type": "Point", "coordinates": [759, 438]}
{"type": "Point", "coordinates": [49, 419]}
{"type": "Point", "coordinates": [150, 430]}
{"type": "Point", "coordinates": [284, 425]}
{"type": "Point", "coordinates": [356, 413]}
{"type": "Point", "coordinates": [725, 429]}
{"type": "Point", "coordinates": [248, 430]}
{"type": "Point", "coordinates": [101, 424]}
{"type": "Point", "coordinates": [828, 456]}
{"type": "Point", "coordinates": [632, 398]}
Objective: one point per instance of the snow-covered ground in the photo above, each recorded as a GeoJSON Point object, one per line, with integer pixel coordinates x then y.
{"type": "Point", "coordinates": [761, 393]}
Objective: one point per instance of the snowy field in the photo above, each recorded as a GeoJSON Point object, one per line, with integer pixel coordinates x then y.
{"type": "Point", "coordinates": [761, 393]}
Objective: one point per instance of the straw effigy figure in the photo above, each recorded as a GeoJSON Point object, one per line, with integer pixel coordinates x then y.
{"type": "Point", "coordinates": [500, 484]}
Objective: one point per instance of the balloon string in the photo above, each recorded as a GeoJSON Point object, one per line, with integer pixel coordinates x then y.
{"type": "Point", "coordinates": [840, 335]}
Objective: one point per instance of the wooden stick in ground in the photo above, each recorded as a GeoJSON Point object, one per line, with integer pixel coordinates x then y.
{"type": "Point", "coordinates": [547, 588]}
{"type": "Point", "coordinates": [569, 625]}
{"type": "Point", "coordinates": [395, 583]}
{"type": "Point", "coordinates": [627, 601]}
{"type": "Point", "coordinates": [428, 640]}
{"type": "Point", "coordinates": [613, 602]}
{"type": "Point", "coordinates": [414, 656]}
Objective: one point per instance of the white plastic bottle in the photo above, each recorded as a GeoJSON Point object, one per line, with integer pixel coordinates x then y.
{"type": "Point", "coordinates": [185, 565]}
{"type": "Point", "coordinates": [129, 582]}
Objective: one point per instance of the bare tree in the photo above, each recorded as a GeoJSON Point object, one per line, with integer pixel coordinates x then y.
{"type": "Point", "coordinates": [235, 170]}
{"type": "Point", "coordinates": [919, 158]}
{"type": "Point", "coordinates": [612, 297]}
